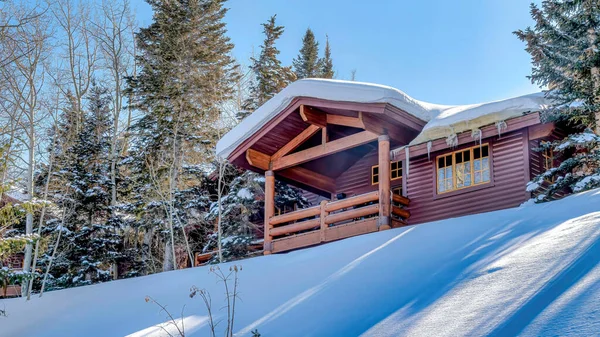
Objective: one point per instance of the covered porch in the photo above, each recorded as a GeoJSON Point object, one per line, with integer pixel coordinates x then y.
{"type": "Point", "coordinates": [311, 144]}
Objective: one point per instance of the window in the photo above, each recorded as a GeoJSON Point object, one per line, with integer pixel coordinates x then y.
{"type": "Point", "coordinates": [395, 172]}
{"type": "Point", "coordinates": [548, 161]}
{"type": "Point", "coordinates": [463, 168]}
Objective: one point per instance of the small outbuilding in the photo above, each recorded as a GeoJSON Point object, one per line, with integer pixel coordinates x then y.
{"type": "Point", "coordinates": [371, 158]}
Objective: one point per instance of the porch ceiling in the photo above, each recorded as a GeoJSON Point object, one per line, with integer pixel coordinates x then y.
{"type": "Point", "coordinates": [376, 118]}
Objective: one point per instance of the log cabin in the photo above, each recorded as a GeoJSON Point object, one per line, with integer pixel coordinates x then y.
{"type": "Point", "coordinates": [369, 158]}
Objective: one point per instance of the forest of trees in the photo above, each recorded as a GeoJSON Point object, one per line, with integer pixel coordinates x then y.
{"type": "Point", "coordinates": [108, 133]}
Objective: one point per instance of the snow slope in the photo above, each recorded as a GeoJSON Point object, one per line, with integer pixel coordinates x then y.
{"type": "Point", "coordinates": [442, 120]}
{"type": "Point", "coordinates": [532, 270]}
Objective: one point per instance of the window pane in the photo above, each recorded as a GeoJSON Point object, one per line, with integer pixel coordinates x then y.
{"type": "Point", "coordinates": [486, 175]}
{"type": "Point", "coordinates": [440, 174]}
{"type": "Point", "coordinates": [460, 175]}
{"type": "Point", "coordinates": [449, 185]}
{"type": "Point", "coordinates": [375, 170]}
{"type": "Point", "coordinates": [477, 164]}
{"type": "Point", "coordinates": [448, 172]}
{"type": "Point", "coordinates": [485, 151]}
{"type": "Point", "coordinates": [477, 177]}
{"type": "Point", "coordinates": [459, 158]}
{"type": "Point", "coordinates": [441, 162]}
{"type": "Point", "coordinates": [477, 153]}
{"type": "Point", "coordinates": [467, 155]}
{"type": "Point", "coordinates": [394, 165]}
{"type": "Point", "coordinates": [468, 167]}
{"type": "Point", "coordinates": [375, 179]}
{"type": "Point", "coordinates": [485, 164]}
{"type": "Point", "coordinates": [441, 186]}
{"type": "Point", "coordinates": [449, 161]}
{"type": "Point", "coordinates": [467, 179]}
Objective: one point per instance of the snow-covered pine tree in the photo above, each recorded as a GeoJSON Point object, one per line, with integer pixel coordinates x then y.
{"type": "Point", "coordinates": [242, 208]}
{"type": "Point", "coordinates": [186, 73]}
{"type": "Point", "coordinates": [327, 62]}
{"type": "Point", "coordinates": [270, 76]}
{"type": "Point", "coordinates": [564, 51]}
{"type": "Point", "coordinates": [308, 64]}
{"type": "Point", "coordinates": [91, 240]}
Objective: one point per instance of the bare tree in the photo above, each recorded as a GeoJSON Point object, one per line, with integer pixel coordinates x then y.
{"type": "Point", "coordinates": [114, 35]}
{"type": "Point", "coordinates": [77, 50]}
{"type": "Point", "coordinates": [24, 80]}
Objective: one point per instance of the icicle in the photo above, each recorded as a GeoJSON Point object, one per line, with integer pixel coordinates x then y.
{"type": "Point", "coordinates": [407, 159]}
{"type": "Point", "coordinates": [429, 144]}
{"type": "Point", "coordinates": [501, 125]}
{"type": "Point", "coordinates": [476, 134]}
{"type": "Point", "coordinates": [452, 140]}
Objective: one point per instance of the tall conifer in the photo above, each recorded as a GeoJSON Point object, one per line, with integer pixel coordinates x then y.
{"type": "Point", "coordinates": [308, 64]}
{"type": "Point", "coordinates": [564, 47]}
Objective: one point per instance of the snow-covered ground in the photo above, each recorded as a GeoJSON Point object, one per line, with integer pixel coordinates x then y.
{"type": "Point", "coordinates": [531, 270]}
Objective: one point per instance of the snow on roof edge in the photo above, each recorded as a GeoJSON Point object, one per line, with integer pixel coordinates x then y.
{"type": "Point", "coordinates": [442, 120]}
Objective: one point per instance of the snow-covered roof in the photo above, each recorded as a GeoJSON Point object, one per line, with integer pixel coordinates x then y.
{"type": "Point", "coordinates": [442, 120]}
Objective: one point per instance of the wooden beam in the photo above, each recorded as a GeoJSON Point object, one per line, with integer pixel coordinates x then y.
{"type": "Point", "coordinates": [297, 141]}
{"type": "Point", "coordinates": [540, 130]}
{"type": "Point", "coordinates": [309, 178]}
{"type": "Point", "coordinates": [295, 215]}
{"type": "Point", "coordinates": [385, 196]}
{"type": "Point", "coordinates": [352, 122]}
{"type": "Point", "coordinates": [324, 135]}
{"type": "Point", "coordinates": [269, 210]}
{"type": "Point", "coordinates": [376, 124]}
{"type": "Point", "coordinates": [258, 159]}
{"type": "Point", "coordinates": [326, 149]}
{"type": "Point", "coordinates": [313, 116]}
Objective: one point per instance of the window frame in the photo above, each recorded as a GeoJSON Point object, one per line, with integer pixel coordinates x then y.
{"type": "Point", "coordinates": [474, 186]}
{"type": "Point", "coordinates": [548, 161]}
{"type": "Point", "coordinates": [399, 168]}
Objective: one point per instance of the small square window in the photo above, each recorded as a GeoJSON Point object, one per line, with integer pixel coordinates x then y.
{"type": "Point", "coordinates": [395, 172]}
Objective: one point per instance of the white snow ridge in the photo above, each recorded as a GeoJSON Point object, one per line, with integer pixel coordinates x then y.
{"type": "Point", "coordinates": [442, 120]}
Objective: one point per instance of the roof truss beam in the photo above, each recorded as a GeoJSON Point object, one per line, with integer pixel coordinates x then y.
{"type": "Point", "coordinates": [323, 150]}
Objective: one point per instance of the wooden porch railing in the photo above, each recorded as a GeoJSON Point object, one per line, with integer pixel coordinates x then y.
{"type": "Point", "coordinates": [330, 221]}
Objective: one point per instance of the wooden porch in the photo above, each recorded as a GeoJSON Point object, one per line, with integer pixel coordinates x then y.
{"type": "Point", "coordinates": [310, 145]}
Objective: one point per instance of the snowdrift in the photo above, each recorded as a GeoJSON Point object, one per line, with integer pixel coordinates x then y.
{"type": "Point", "coordinates": [528, 271]}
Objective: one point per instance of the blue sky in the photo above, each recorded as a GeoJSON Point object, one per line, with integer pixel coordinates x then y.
{"type": "Point", "coordinates": [440, 51]}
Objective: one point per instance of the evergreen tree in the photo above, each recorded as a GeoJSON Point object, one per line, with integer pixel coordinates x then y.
{"type": "Point", "coordinates": [186, 74]}
{"type": "Point", "coordinates": [242, 206]}
{"type": "Point", "coordinates": [564, 50]}
{"type": "Point", "coordinates": [91, 241]}
{"type": "Point", "coordinates": [327, 62]}
{"type": "Point", "coordinates": [308, 64]}
{"type": "Point", "coordinates": [270, 76]}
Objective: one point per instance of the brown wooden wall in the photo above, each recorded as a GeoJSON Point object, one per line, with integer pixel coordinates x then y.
{"type": "Point", "coordinates": [357, 179]}
{"type": "Point", "coordinates": [510, 172]}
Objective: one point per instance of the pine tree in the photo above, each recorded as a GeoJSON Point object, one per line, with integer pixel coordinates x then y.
{"type": "Point", "coordinates": [270, 76]}
{"type": "Point", "coordinates": [564, 50]}
{"type": "Point", "coordinates": [308, 64]}
{"type": "Point", "coordinates": [186, 74]}
{"type": "Point", "coordinates": [327, 62]}
{"type": "Point", "coordinates": [92, 241]}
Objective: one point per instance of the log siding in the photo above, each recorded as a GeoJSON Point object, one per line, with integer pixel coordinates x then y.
{"type": "Point", "coordinates": [510, 170]}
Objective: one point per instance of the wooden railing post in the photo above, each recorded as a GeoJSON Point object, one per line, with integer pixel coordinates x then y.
{"type": "Point", "coordinates": [323, 215]}
{"type": "Point", "coordinates": [269, 210]}
{"type": "Point", "coordinates": [384, 183]}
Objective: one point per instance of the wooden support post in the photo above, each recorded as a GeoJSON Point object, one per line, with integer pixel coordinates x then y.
{"type": "Point", "coordinates": [322, 218]}
{"type": "Point", "coordinates": [269, 210]}
{"type": "Point", "coordinates": [384, 182]}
